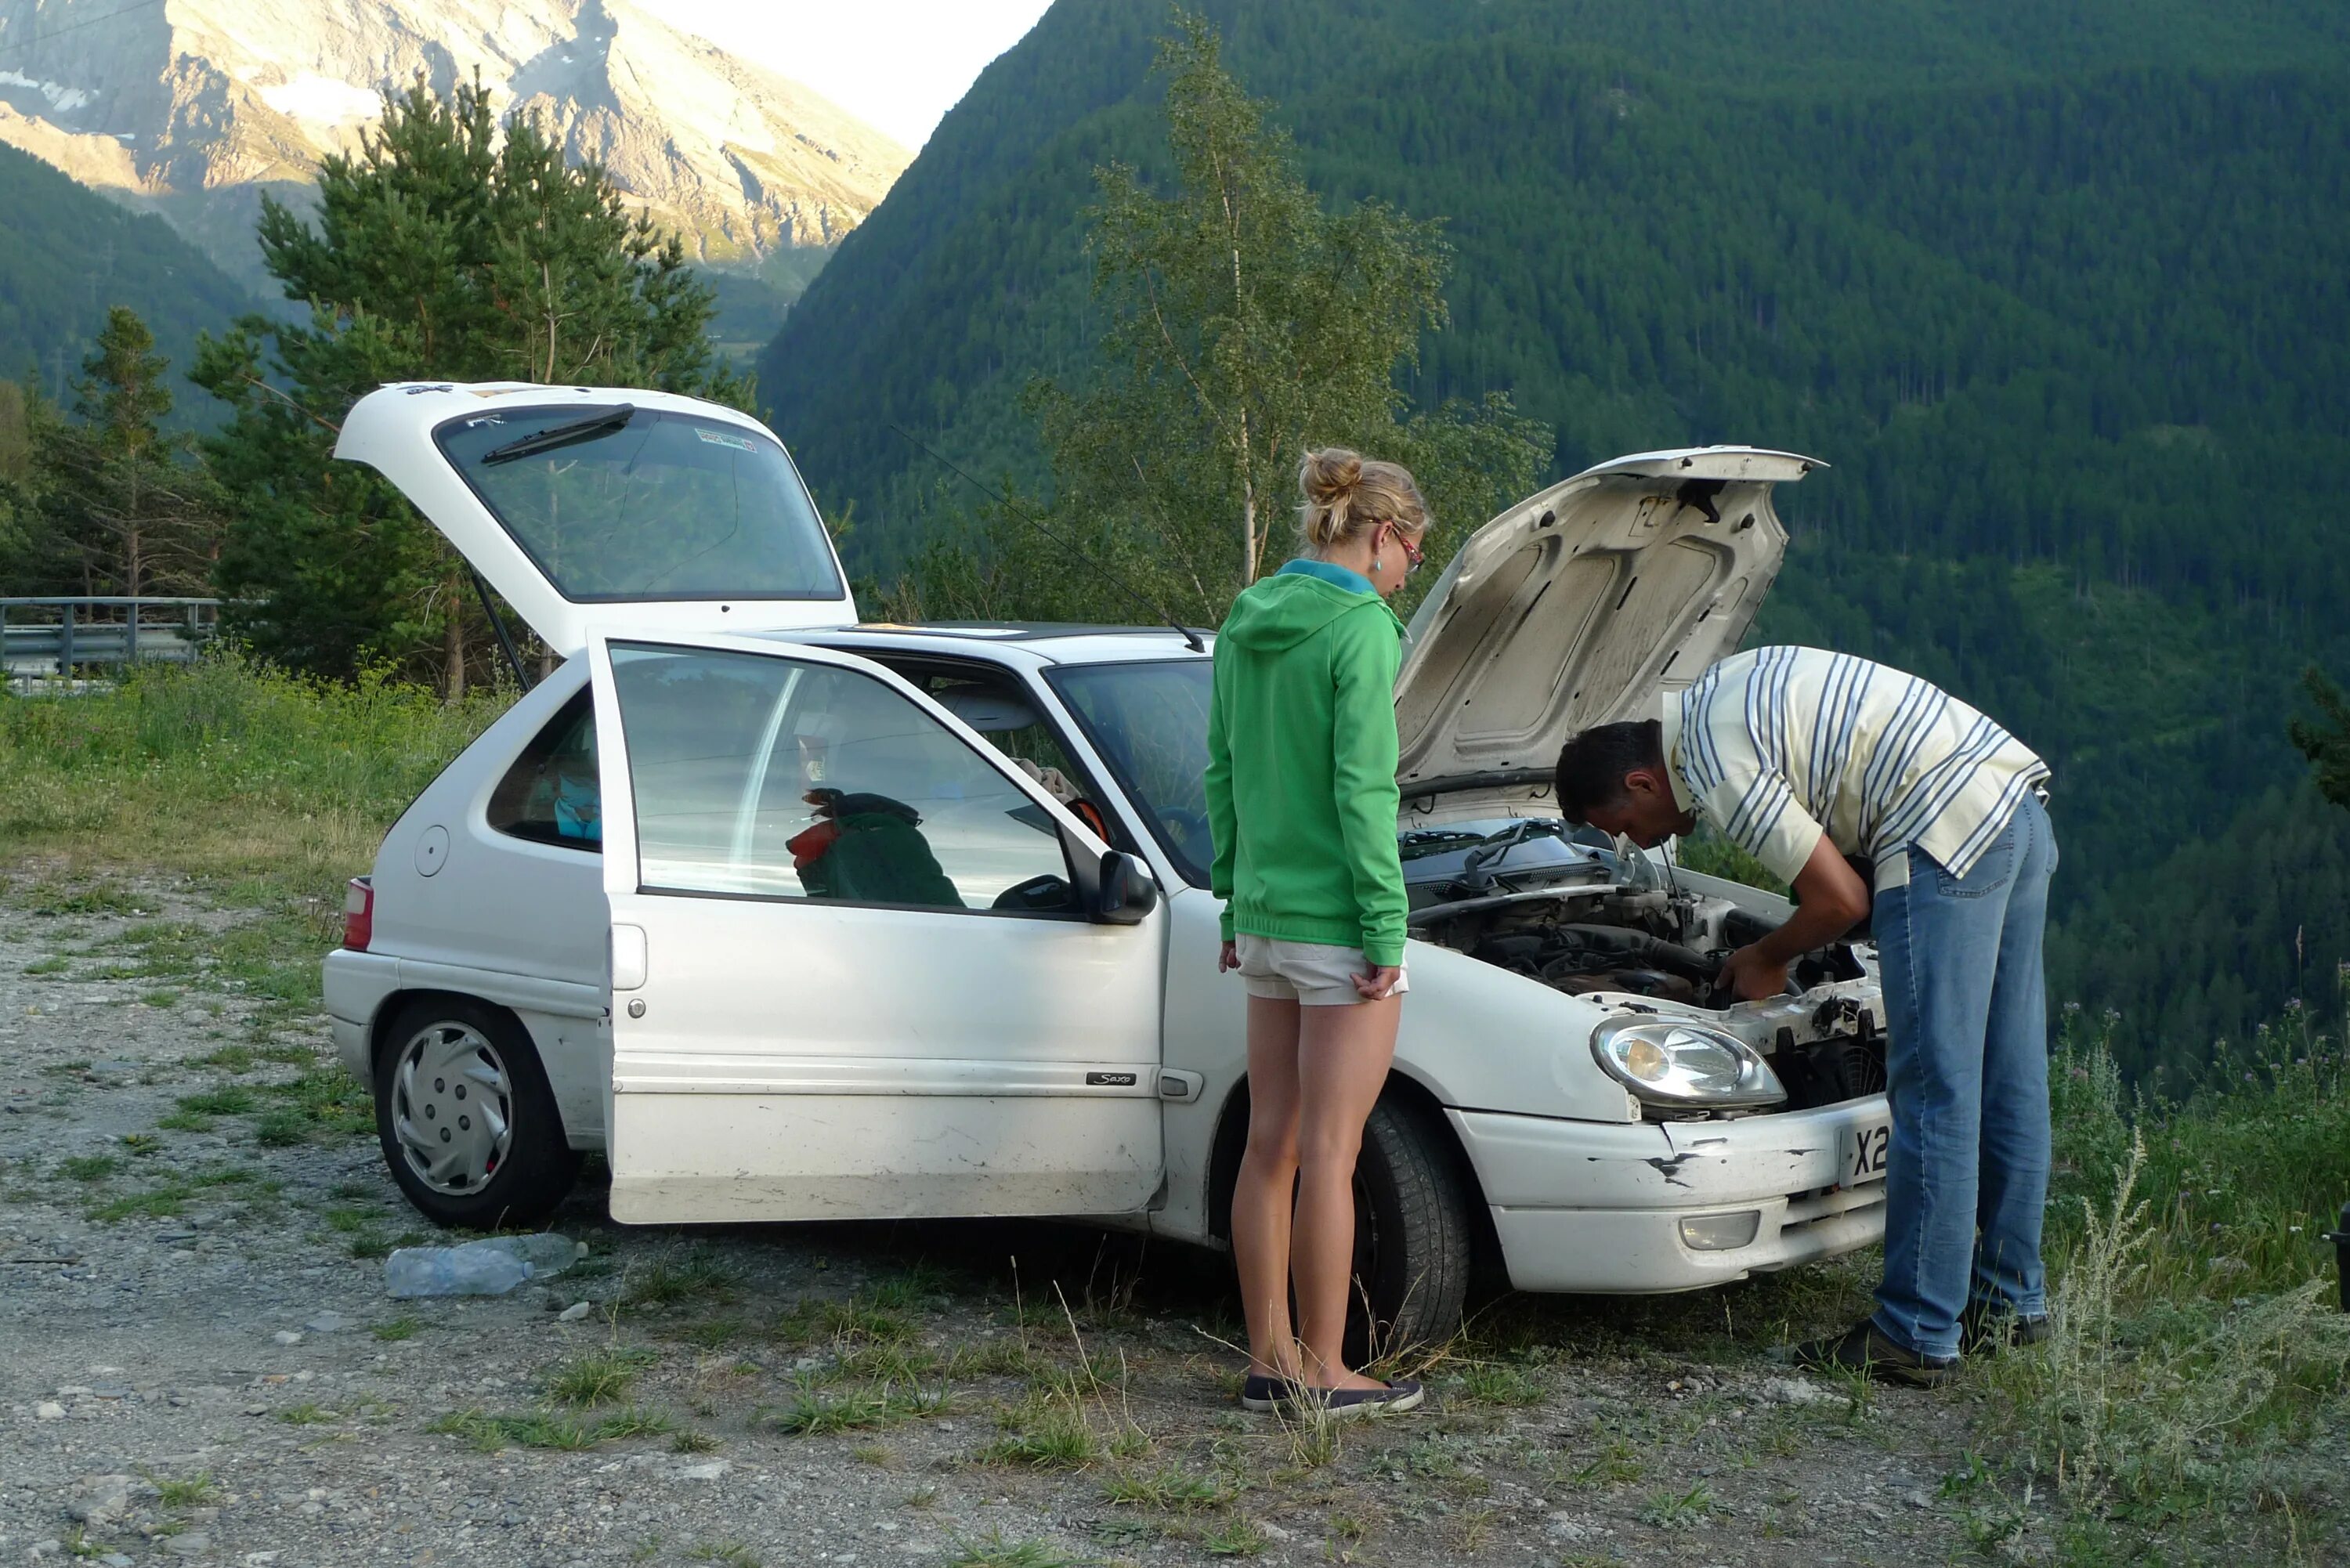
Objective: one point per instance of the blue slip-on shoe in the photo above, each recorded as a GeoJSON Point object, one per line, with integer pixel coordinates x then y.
{"type": "Point", "coordinates": [1391, 1399]}
{"type": "Point", "coordinates": [1265, 1394]}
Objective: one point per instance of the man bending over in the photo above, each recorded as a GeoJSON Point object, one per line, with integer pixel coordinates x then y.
{"type": "Point", "coordinates": [1804, 759]}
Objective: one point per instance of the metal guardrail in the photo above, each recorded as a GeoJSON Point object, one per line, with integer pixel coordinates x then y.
{"type": "Point", "coordinates": [61, 636]}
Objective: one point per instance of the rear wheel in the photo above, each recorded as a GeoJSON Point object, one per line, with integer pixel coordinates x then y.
{"type": "Point", "coordinates": [1412, 1233]}
{"type": "Point", "coordinates": [466, 1119]}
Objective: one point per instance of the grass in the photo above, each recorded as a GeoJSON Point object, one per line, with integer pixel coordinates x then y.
{"type": "Point", "coordinates": [269, 789]}
{"type": "Point", "coordinates": [1488, 1383]}
{"type": "Point", "coordinates": [1235, 1538]}
{"type": "Point", "coordinates": [228, 1100]}
{"type": "Point", "coordinates": [488, 1433]}
{"type": "Point", "coordinates": [2198, 1376]}
{"type": "Point", "coordinates": [1169, 1488]}
{"type": "Point", "coordinates": [812, 1413]}
{"type": "Point", "coordinates": [89, 1166]}
{"type": "Point", "coordinates": [844, 1324]}
{"type": "Point", "coordinates": [186, 1492]}
{"type": "Point", "coordinates": [281, 1129]}
{"type": "Point", "coordinates": [992, 1550]}
{"type": "Point", "coordinates": [600, 1377]}
{"type": "Point", "coordinates": [675, 1278]}
{"type": "Point", "coordinates": [393, 1330]}
{"type": "Point", "coordinates": [1670, 1510]}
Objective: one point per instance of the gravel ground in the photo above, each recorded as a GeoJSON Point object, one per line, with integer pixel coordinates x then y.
{"type": "Point", "coordinates": [200, 1363]}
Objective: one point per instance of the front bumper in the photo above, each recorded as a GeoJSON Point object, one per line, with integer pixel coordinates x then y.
{"type": "Point", "coordinates": [1597, 1207]}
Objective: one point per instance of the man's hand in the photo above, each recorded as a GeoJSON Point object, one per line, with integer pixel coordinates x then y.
{"type": "Point", "coordinates": [1377, 982]}
{"type": "Point", "coordinates": [1752, 975]}
{"type": "Point", "coordinates": [1229, 958]}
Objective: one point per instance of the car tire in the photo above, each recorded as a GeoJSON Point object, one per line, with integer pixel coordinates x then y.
{"type": "Point", "coordinates": [485, 1149]}
{"type": "Point", "coordinates": [1413, 1229]}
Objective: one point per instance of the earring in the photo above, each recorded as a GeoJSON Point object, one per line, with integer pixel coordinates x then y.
{"type": "Point", "coordinates": [1375, 566]}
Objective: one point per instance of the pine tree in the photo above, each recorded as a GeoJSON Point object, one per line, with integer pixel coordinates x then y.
{"type": "Point", "coordinates": [1246, 325]}
{"type": "Point", "coordinates": [454, 247]}
{"type": "Point", "coordinates": [127, 506]}
{"type": "Point", "coordinates": [2326, 743]}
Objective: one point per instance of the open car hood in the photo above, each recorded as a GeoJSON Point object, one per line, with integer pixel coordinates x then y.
{"type": "Point", "coordinates": [1580, 605]}
{"type": "Point", "coordinates": [675, 514]}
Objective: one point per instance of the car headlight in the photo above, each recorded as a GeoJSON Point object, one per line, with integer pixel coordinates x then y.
{"type": "Point", "coordinates": [1672, 1061]}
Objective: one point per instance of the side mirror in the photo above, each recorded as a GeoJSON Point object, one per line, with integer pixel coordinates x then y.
{"type": "Point", "coordinates": [1115, 889]}
{"type": "Point", "coordinates": [1128, 892]}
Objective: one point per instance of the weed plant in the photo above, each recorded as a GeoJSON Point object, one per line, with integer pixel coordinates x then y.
{"type": "Point", "coordinates": [271, 788]}
{"type": "Point", "coordinates": [2198, 1366]}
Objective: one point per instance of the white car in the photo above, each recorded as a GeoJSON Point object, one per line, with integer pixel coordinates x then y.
{"type": "Point", "coordinates": [799, 919]}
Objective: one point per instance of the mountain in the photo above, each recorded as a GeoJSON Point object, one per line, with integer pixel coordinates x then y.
{"type": "Point", "coordinates": [193, 108]}
{"type": "Point", "coordinates": [2056, 289]}
{"type": "Point", "coordinates": [66, 254]}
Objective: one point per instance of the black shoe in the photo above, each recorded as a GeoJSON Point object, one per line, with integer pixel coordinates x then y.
{"type": "Point", "coordinates": [1392, 1398]}
{"type": "Point", "coordinates": [1986, 1330]}
{"type": "Point", "coordinates": [1265, 1394]}
{"type": "Point", "coordinates": [1867, 1350]}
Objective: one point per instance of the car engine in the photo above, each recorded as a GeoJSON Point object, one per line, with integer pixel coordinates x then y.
{"type": "Point", "coordinates": [1527, 897]}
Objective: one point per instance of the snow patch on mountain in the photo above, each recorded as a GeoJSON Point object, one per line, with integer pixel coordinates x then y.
{"type": "Point", "coordinates": [176, 105]}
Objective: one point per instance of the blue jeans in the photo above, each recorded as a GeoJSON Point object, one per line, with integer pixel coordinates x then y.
{"type": "Point", "coordinates": [1966, 1175]}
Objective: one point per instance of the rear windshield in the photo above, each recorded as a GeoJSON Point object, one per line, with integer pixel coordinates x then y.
{"type": "Point", "coordinates": [648, 504]}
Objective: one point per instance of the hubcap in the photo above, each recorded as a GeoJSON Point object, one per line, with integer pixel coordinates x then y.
{"type": "Point", "coordinates": [453, 1108]}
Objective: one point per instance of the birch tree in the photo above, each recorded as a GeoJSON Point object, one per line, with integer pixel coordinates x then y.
{"type": "Point", "coordinates": [1246, 322]}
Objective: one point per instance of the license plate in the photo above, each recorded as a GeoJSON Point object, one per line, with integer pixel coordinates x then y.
{"type": "Point", "coordinates": [1861, 1151]}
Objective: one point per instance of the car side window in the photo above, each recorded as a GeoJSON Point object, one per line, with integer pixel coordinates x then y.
{"type": "Point", "coordinates": [767, 777]}
{"type": "Point", "coordinates": [552, 795]}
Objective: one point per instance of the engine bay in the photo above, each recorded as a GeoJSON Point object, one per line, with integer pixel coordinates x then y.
{"type": "Point", "coordinates": [1530, 897]}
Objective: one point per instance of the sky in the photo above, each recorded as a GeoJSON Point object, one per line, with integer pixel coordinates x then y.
{"type": "Point", "coordinates": [898, 65]}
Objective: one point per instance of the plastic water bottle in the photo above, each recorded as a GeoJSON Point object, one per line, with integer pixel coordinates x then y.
{"type": "Point", "coordinates": [546, 1252]}
{"type": "Point", "coordinates": [486, 1268]}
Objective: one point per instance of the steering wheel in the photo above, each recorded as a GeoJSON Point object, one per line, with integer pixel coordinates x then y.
{"type": "Point", "coordinates": [1186, 826]}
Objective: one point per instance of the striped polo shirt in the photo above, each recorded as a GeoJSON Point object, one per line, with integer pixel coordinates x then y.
{"type": "Point", "coordinates": [1776, 746]}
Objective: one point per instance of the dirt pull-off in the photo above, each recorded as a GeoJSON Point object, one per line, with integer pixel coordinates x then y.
{"type": "Point", "coordinates": [202, 1364]}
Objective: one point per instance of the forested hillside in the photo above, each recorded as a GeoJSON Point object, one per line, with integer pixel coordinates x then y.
{"type": "Point", "coordinates": [66, 254]}
{"type": "Point", "coordinates": [2056, 289]}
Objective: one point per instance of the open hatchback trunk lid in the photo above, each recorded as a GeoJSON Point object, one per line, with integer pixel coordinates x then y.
{"type": "Point", "coordinates": [1580, 605]}
{"type": "Point", "coordinates": [635, 511]}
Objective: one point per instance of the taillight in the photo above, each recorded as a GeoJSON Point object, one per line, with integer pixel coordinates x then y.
{"type": "Point", "coordinates": [359, 914]}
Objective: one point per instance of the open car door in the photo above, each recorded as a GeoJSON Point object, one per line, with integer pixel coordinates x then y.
{"type": "Point", "coordinates": [637, 509]}
{"type": "Point", "coordinates": [860, 967]}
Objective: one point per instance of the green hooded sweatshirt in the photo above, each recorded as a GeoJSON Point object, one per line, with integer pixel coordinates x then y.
{"type": "Point", "coordinates": [1301, 781]}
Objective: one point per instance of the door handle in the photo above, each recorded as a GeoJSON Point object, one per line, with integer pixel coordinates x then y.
{"type": "Point", "coordinates": [628, 957]}
{"type": "Point", "coordinates": [1177, 1084]}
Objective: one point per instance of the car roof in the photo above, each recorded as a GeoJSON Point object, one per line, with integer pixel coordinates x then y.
{"type": "Point", "coordinates": [1034, 643]}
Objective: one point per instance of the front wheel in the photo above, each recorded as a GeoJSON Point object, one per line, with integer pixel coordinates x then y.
{"type": "Point", "coordinates": [1413, 1234]}
{"type": "Point", "coordinates": [467, 1122]}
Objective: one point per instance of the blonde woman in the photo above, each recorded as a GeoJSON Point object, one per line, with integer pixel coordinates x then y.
{"type": "Point", "coordinates": [1302, 802]}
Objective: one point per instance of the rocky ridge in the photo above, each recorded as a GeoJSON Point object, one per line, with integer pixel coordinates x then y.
{"type": "Point", "coordinates": [195, 107]}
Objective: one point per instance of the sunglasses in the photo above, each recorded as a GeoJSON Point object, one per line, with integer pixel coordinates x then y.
{"type": "Point", "coordinates": [1411, 554]}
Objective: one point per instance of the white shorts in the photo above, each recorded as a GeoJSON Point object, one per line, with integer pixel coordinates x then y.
{"type": "Point", "coordinates": [1314, 974]}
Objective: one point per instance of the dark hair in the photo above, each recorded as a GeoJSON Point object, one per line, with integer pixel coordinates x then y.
{"type": "Point", "coordinates": [1593, 763]}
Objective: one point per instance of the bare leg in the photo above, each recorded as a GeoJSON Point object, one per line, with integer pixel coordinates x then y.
{"type": "Point", "coordinates": [1268, 1175]}
{"type": "Point", "coordinates": [1343, 1055]}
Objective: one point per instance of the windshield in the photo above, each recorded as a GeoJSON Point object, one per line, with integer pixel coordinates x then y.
{"type": "Point", "coordinates": [615, 504]}
{"type": "Point", "coordinates": [1150, 721]}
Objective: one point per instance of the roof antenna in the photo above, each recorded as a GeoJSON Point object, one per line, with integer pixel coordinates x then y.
{"type": "Point", "coordinates": [1190, 638]}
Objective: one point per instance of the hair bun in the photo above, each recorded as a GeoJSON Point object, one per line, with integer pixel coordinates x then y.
{"type": "Point", "coordinates": [1330, 474]}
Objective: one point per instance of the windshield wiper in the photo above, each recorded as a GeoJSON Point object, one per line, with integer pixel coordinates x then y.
{"type": "Point", "coordinates": [555, 436]}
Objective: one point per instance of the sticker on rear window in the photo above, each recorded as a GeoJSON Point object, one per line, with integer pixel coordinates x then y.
{"type": "Point", "coordinates": [723, 438]}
